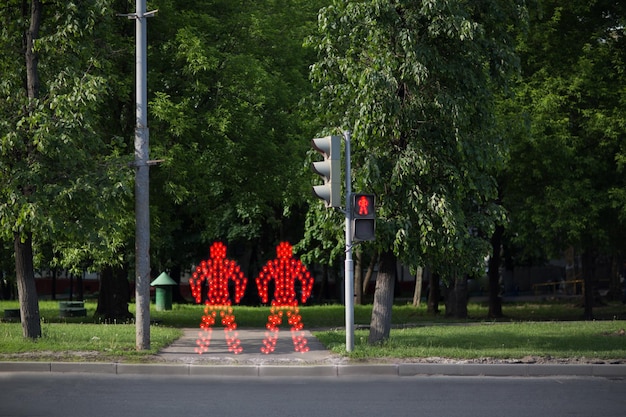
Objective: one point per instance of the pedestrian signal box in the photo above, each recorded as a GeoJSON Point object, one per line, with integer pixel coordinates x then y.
{"type": "Point", "coordinates": [363, 217]}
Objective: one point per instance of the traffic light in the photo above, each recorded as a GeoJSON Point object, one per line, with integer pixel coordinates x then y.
{"type": "Point", "coordinates": [329, 169]}
{"type": "Point", "coordinates": [363, 217]}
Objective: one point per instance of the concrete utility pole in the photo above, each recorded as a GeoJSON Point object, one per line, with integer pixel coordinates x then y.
{"type": "Point", "coordinates": [142, 183]}
{"type": "Point", "coordinates": [142, 180]}
{"type": "Point", "coordinates": [348, 266]}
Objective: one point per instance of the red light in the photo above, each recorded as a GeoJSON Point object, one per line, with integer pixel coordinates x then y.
{"type": "Point", "coordinates": [217, 271]}
{"type": "Point", "coordinates": [284, 270]}
{"type": "Point", "coordinates": [364, 205]}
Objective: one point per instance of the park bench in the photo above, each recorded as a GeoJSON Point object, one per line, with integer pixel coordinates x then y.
{"type": "Point", "coordinates": [12, 314]}
{"type": "Point", "coordinates": [72, 309]}
{"type": "Point", "coordinates": [571, 287]}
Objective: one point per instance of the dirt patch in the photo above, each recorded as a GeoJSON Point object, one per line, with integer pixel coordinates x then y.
{"type": "Point", "coordinates": [620, 332]}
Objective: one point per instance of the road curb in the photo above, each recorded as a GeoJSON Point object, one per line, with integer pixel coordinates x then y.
{"type": "Point", "coordinates": [342, 370]}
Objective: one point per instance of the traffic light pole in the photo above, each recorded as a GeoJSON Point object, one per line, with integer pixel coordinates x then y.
{"type": "Point", "coordinates": [329, 169]}
{"type": "Point", "coordinates": [349, 267]}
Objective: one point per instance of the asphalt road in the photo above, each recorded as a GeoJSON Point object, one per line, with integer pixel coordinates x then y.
{"type": "Point", "coordinates": [58, 394]}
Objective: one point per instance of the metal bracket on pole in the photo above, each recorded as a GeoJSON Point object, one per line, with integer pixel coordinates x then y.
{"type": "Point", "coordinates": [135, 16]}
{"type": "Point", "coordinates": [349, 269]}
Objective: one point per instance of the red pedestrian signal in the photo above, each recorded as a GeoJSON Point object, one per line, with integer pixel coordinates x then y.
{"type": "Point", "coordinates": [363, 217]}
{"type": "Point", "coordinates": [363, 205]}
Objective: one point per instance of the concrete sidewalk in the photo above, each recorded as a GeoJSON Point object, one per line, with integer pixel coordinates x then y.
{"type": "Point", "coordinates": [183, 350]}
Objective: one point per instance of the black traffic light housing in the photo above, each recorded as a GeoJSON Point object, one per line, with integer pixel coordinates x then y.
{"type": "Point", "coordinates": [363, 217]}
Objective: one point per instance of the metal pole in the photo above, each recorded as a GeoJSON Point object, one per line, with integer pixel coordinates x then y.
{"type": "Point", "coordinates": [349, 269]}
{"type": "Point", "coordinates": [142, 185]}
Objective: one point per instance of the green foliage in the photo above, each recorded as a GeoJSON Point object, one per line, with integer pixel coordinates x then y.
{"type": "Point", "coordinates": [415, 83]}
{"type": "Point", "coordinates": [60, 176]}
{"type": "Point", "coordinates": [564, 182]}
{"type": "Point", "coordinates": [227, 78]}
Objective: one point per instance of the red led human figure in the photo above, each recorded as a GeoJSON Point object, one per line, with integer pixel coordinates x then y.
{"type": "Point", "coordinates": [284, 270]}
{"type": "Point", "coordinates": [363, 205]}
{"type": "Point", "coordinates": [218, 271]}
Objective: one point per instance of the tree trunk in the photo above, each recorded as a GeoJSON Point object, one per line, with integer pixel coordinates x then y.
{"type": "Point", "coordinates": [495, 300]}
{"type": "Point", "coordinates": [23, 244]}
{"type": "Point", "coordinates": [417, 293]}
{"type": "Point", "coordinates": [380, 324]}
{"type": "Point", "coordinates": [114, 296]}
{"type": "Point", "coordinates": [247, 264]}
{"type": "Point", "coordinates": [456, 300]}
{"type": "Point", "coordinates": [368, 274]}
{"type": "Point", "coordinates": [4, 293]}
{"type": "Point", "coordinates": [588, 278]}
{"type": "Point", "coordinates": [175, 274]}
{"type": "Point", "coordinates": [53, 289]}
{"type": "Point", "coordinates": [81, 288]}
{"type": "Point", "coordinates": [358, 278]}
{"type": "Point", "coordinates": [26, 288]}
{"type": "Point", "coordinates": [615, 286]}
{"type": "Point", "coordinates": [71, 288]}
{"type": "Point", "coordinates": [433, 294]}
{"type": "Point", "coordinates": [31, 58]}
{"type": "Point", "coordinates": [323, 290]}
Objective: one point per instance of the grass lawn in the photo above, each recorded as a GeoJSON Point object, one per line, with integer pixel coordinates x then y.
{"type": "Point", "coordinates": [546, 329]}
{"type": "Point", "coordinates": [580, 340]}
{"type": "Point", "coordinates": [85, 341]}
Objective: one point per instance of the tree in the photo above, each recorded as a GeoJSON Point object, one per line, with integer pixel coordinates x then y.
{"type": "Point", "coordinates": [55, 178]}
{"type": "Point", "coordinates": [564, 182]}
{"type": "Point", "coordinates": [114, 255]}
{"type": "Point", "coordinates": [415, 82]}
{"type": "Point", "coordinates": [228, 77]}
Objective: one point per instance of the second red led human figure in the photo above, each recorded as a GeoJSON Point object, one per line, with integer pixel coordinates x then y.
{"type": "Point", "coordinates": [284, 270]}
